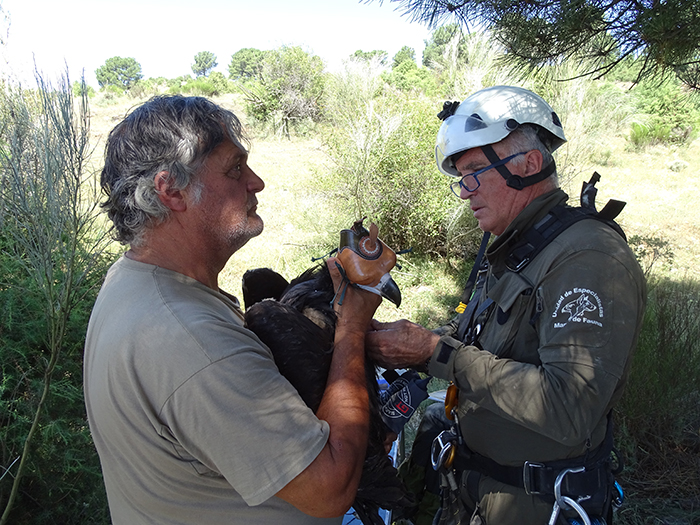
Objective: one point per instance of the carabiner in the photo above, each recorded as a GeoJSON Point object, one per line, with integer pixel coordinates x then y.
{"type": "Point", "coordinates": [443, 450]}
{"type": "Point", "coordinates": [567, 503]}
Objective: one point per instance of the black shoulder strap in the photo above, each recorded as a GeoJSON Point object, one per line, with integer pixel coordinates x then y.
{"type": "Point", "coordinates": [559, 219]}
{"type": "Point", "coordinates": [469, 287]}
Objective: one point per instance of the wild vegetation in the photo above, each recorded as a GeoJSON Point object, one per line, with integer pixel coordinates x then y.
{"type": "Point", "coordinates": [333, 147]}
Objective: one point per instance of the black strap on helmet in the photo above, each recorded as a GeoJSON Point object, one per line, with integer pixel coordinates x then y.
{"type": "Point", "coordinates": [516, 181]}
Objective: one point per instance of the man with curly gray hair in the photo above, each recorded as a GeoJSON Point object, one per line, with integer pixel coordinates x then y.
{"type": "Point", "coordinates": [191, 418]}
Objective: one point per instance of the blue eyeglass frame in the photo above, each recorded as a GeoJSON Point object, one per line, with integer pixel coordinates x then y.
{"type": "Point", "coordinates": [457, 186]}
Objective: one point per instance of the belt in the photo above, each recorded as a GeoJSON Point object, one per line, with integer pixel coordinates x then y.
{"type": "Point", "coordinates": [539, 478]}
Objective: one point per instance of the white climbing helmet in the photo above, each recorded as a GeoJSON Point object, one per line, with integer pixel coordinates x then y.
{"type": "Point", "coordinates": [487, 117]}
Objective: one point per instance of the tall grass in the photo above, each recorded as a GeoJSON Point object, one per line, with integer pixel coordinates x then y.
{"type": "Point", "coordinates": [659, 416]}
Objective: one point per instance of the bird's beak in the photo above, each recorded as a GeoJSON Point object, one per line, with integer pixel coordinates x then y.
{"type": "Point", "coordinates": [388, 288]}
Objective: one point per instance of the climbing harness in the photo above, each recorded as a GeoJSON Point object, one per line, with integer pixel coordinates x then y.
{"type": "Point", "coordinates": [584, 486]}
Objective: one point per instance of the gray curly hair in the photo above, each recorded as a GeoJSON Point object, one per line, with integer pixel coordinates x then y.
{"type": "Point", "coordinates": [167, 133]}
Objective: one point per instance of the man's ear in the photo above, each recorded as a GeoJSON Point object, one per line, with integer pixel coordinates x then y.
{"type": "Point", "coordinates": [172, 198]}
{"type": "Point", "coordinates": [533, 160]}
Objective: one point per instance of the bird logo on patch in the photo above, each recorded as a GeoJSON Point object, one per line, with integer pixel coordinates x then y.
{"type": "Point", "coordinates": [577, 308]}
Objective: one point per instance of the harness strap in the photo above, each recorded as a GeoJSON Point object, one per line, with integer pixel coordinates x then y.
{"type": "Point", "coordinates": [540, 478]}
{"type": "Point", "coordinates": [469, 287]}
{"type": "Point", "coordinates": [559, 218]}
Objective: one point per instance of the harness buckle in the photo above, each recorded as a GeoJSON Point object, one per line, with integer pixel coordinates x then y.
{"type": "Point", "coordinates": [518, 266]}
{"type": "Point", "coordinates": [529, 476]}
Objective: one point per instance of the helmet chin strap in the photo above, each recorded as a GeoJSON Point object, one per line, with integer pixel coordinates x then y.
{"type": "Point", "coordinates": [516, 181]}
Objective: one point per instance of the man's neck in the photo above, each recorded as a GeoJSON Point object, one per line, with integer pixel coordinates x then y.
{"type": "Point", "coordinates": [180, 257]}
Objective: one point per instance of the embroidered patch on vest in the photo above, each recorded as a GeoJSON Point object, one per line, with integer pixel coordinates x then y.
{"type": "Point", "coordinates": [578, 305]}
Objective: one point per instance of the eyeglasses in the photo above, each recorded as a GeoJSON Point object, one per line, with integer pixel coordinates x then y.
{"type": "Point", "coordinates": [471, 182]}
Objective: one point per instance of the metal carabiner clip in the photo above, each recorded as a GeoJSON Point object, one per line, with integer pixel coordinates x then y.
{"type": "Point", "coordinates": [443, 450]}
{"type": "Point", "coordinates": [565, 502]}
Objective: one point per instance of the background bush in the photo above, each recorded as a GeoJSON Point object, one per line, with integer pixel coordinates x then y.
{"type": "Point", "coordinates": [52, 258]}
{"type": "Point", "coordinates": [287, 92]}
{"type": "Point", "coordinates": [62, 483]}
{"type": "Point", "coordinates": [659, 416]}
{"type": "Point", "coordinates": [382, 145]}
{"type": "Point", "coordinates": [666, 113]}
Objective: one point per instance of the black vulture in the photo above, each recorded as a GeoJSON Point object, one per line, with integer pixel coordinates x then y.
{"type": "Point", "coordinates": [297, 323]}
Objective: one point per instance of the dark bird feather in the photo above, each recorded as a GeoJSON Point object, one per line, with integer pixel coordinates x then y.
{"type": "Point", "coordinates": [297, 323]}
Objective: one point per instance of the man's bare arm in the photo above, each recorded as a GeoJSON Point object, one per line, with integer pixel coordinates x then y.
{"type": "Point", "coordinates": [327, 487]}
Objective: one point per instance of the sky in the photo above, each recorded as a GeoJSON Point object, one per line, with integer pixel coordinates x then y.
{"type": "Point", "coordinates": [164, 36]}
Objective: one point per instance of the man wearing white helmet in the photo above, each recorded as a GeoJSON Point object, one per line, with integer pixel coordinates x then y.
{"type": "Point", "coordinates": [540, 353]}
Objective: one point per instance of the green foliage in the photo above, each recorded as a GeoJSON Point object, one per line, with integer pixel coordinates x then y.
{"type": "Point", "coordinates": [118, 71]}
{"type": "Point", "coordinates": [213, 85]}
{"type": "Point", "coordinates": [380, 56]}
{"type": "Point", "coordinates": [667, 113]}
{"type": "Point", "coordinates": [204, 62]}
{"type": "Point", "coordinates": [660, 410]}
{"type": "Point", "coordinates": [52, 257]}
{"type": "Point", "coordinates": [407, 76]}
{"type": "Point", "coordinates": [220, 83]}
{"type": "Point", "coordinates": [175, 84]}
{"type": "Point", "coordinates": [288, 91]}
{"type": "Point", "coordinates": [627, 70]}
{"type": "Point", "coordinates": [80, 89]}
{"type": "Point", "coordinates": [149, 87]}
{"type": "Point", "coordinates": [62, 481]}
{"type": "Point", "coordinates": [665, 35]}
{"type": "Point", "coordinates": [382, 143]}
{"type": "Point", "coordinates": [405, 54]}
{"type": "Point", "coordinates": [246, 63]}
{"type": "Point", "coordinates": [446, 46]}
{"type": "Point", "coordinates": [112, 91]}
{"type": "Point", "coordinates": [651, 251]}
{"type": "Point", "coordinates": [469, 63]}
{"type": "Point", "coordinates": [587, 130]}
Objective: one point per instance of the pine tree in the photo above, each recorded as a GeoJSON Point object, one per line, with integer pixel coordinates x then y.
{"type": "Point", "coordinates": [662, 35]}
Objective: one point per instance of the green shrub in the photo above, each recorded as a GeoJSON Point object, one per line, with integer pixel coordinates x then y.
{"type": "Point", "coordinates": [407, 77]}
{"type": "Point", "coordinates": [667, 114]}
{"type": "Point", "coordinates": [62, 483]}
{"type": "Point", "coordinates": [382, 143]}
{"type": "Point", "coordinates": [148, 88]}
{"type": "Point", "coordinates": [112, 92]}
{"type": "Point", "coordinates": [200, 86]}
{"type": "Point", "coordinates": [288, 91]}
{"type": "Point", "coordinates": [52, 258]}
{"type": "Point", "coordinates": [80, 88]}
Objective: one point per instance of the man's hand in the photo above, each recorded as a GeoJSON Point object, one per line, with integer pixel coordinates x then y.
{"type": "Point", "coordinates": [327, 487]}
{"type": "Point", "coordinates": [358, 306]}
{"type": "Point", "coordinates": [400, 344]}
